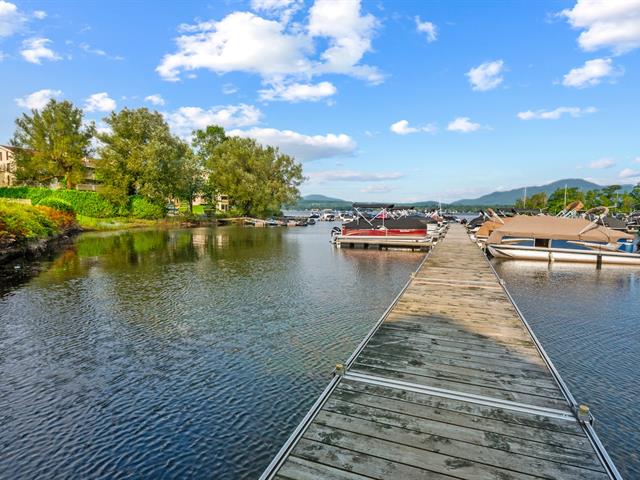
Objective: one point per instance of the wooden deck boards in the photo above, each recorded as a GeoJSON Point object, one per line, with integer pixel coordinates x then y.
{"type": "Point", "coordinates": [451, 385]}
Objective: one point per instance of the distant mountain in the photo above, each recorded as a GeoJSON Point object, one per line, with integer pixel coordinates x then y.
{"type": "Point", "coordinates": [509, 197]}
{"type": "Point", "coordinates": [321, 198]}
{"type": "Point", "coordinates": [321, 201]}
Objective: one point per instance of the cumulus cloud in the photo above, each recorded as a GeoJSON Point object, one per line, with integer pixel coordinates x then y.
{"type": "Point", "coordinates": [244, 41]}
{"type": "Point", "coordinates": [428, 28]}
{"type": "Point", "coordinates": [352, 176]}
{"type": "Point", "coordinates": [11, 19]}
{"type": "Point", "coordinates": [555, 114]}
{"type": "Point", "coordinates": [486, 76]}
{"type": "Point", "coordinates": [38, 100]}
{"type": "Point", "coordinates": [298, 92]}
{"type": "Point", "coordinates": [628, 173]}
{"type": "Point", "coordinates": [36, 49]}
{"type": "Point", "coordinates": [606, 24]}
{"type": "Point", "coordinates": [100, 102]}
{"type": "Point", "coordinates": [463, 125]}
{"type": "Point", "coordinates": [302, 147]}
{"type": "Point", "coordinates": [40, 14]}
{"type": "Point", "coordinates": [602, 163]}
{"type": "Point", "coordinates": [186, 119]}
{"type": "Point", "coordinates": [155, 99]}
{"type": "Point", "coordinates": [402, 127]}
{"type": "Point", "coordinates": [591, 73]}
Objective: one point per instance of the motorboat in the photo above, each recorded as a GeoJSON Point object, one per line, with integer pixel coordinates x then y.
{"type": "Point", "coordinates": [386, 222]}
{"type": "Point", "coordinates": [328, 215]}
{"type": "Point", "coordinates": [562, 239]}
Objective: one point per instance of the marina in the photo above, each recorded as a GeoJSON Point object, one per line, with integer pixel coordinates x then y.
{"type": "Point", "coordinates": [450, 383]}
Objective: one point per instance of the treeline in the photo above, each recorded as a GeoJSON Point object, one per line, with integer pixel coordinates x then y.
{"type": "Point", "coordinates": [612, 196]}
{"type": "Point", "coordinates": [138, 156]}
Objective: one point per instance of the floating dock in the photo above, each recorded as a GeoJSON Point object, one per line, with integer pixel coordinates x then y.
{"type": "Point", "coordinates": [382, 242]}
{"type": "Point", "coordinates": [450, 383]}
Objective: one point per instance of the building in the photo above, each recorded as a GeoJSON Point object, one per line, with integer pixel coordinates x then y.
{"type": "Point", "coordinates": [222, 203]}
{"type": "Point", "coordinates": [7, 166]}
{"type": "Point", "coordinates": [8, 171]}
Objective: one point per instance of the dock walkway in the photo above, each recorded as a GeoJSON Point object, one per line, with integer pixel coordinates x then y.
{"type": "Point", "coordinates": [451, 383]}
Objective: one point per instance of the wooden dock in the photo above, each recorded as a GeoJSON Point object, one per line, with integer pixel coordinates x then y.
{"type": "Point", "coordinates": [450, 383]}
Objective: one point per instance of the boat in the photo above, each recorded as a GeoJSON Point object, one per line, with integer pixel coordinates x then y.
{"type": "Point", "coordinates": [384, 223]}
{"type": "Point", "coordinates": [328, 215]}
{"type": "Point", "coordinates": [562, 239]}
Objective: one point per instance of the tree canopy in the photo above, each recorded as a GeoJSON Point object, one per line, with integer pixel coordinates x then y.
{"type": "Point", "coordinates": [52, 144]}
{"type": "Point", "coordinates": [139, 155]}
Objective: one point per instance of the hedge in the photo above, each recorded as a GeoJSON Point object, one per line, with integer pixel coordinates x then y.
{"type": "Point", "coordinates": [57, 204]}
{"type": "Point", "coordinates": [20, 223]}
{"type": "Point", "coordinates": [88, 204]}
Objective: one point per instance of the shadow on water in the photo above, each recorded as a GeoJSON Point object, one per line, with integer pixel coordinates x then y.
{"type": "Point", "coordinates": [589, 323]}
{"type": "Point", "coordinates": [178, 352]}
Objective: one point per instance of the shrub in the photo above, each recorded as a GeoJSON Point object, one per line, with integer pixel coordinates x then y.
{"type": "Point", "coordinates": [143, 208]}
{"type": "Point", "coordinates": [57, 204]}
{"type": "Point", "coordinates": [19, 223]}
{"type": "Point", "coordinates": [90, 204]}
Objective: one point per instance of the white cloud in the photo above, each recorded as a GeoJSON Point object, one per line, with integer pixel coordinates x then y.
{"type": "Point", "coordinates": [298, 92]}
{"type": "Point", "coordinates": [486, 76]}
{"type": "Point", "coordinates": [38, 100]}
{"type": "Point", "coordinates": [427, 28]}
{"type": "Point", "coordinates": [555, 114]}
{"type": "Point", "coordinates": [2, 56]}
{"type": "Point", "coordinates": [377, 189]}
{"type": "Point", "coordinates": [36, 49]}
{"type": "Point", "coordinates": [284, 9]}
{"type": "Point", "coordinates": [402, 127]}
{"type": "Point", "coordinates": [186, 119]}
{"type": "Point", "coordinates": [155, 99]}
{"type": "Point", "coordinates": [352, 176]}
{"type": "Point", "coordinates": [40, 14]}
{"type": "Point", "coordinates": [629, 173]}
{"type": "Point", "coordinates": [244, 41]}
{"type": "Point", "coordinates": [100, 102]}
{"type": "Point", "coordinates": [11, 20]}
{"type": "Point", "coordinates": [302, 147]}
{"type": "Point", "coordinates": [602, 163]}
{"type": "Point", "coordinates": [606, 24]}
{"type": "Point", "coordinates": [636, 160]}
{"type": "Point", "coordinates": [241, 41]}
{"type": "Point", "coordinates": [229, 89]}
{"type": "Point", "coordinates": [591, 73]}
{"type": "Point", "coordinates": [463, 124]}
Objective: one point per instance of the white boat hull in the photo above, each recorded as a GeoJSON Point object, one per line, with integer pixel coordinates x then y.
{"type": "Point", "coordinates": [563, 255]}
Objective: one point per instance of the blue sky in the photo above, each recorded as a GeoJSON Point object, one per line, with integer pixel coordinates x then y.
{"type": "Point", "coordinates": [381, 100]}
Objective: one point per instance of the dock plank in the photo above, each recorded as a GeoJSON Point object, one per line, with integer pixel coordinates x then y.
{"type": "Point", "coordinates": [450, 384]}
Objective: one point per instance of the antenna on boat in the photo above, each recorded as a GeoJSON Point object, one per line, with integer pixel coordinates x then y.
{"type": "Point", "coordinates": [565, 194]}
{"type": "Point", "coordinates": [524, 199]}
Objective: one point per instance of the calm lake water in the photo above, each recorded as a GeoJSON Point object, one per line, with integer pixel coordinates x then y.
{"type": "Point", "coordinates": [181, 353]}
{"type": "Point", "coordinates": [194, 353]}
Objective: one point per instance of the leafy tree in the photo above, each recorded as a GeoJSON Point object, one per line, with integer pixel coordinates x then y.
{"type": "Point", "coordinates": [537, 201]}
{"type": "Point", "coordinates": [192, 179]}
{"type": "Point", "coordinates": [139, 156]}
{"type": "Point", "coordinates": [52, 144]}
{"type": "Point", "coordinates": [556, 200]}
{"type": "Point", "coordinates": [635, 195]}
{"type": "Point", "coordinates": [258, 180]}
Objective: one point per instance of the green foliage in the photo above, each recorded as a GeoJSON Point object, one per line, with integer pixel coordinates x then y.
{"type": "Point", "coordinates": [52, 144]}
{"type": "Point", "coordinates": [610, 196]}
{"type": "Point", "coordinates": [139, 156]}
{"type": "Point", "coordinates": [537, 201]}
{"type": "Point", "coordinates": [20, 223]}
{"type": "Point", "coordinates": [57, 204]}
{"type": "Point", "coordinates": [143, 208]}
{"type": "Point", "coordinates": [257, 179]}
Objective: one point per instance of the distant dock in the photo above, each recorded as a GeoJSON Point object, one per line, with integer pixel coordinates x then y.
{"type": "Point", "coordinates": [450, 383]}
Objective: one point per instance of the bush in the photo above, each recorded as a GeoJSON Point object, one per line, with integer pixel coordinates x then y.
{"type": "Point", "coordinates": [20, 223]}
{"type": "Point", "coordinates": [57, 204]}
{"type": "Point", "coordinates": [140, 207]}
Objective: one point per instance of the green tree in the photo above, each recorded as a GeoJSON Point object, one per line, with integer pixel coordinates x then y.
{"type": "Point", "coordinates": [258, 180]}
{"type": "Point", "coordinates": [635, 195]}
{"type": "Point", "coordinates": [52, 144]}
{"type": "Point", "coordinates": [537, 201]}
{"type": "Point", "coordinates": [192, 179]}
{"type": "Point", "coordinates": [139, 156]}
{"type": "Point", "coordinates": [556, 200]}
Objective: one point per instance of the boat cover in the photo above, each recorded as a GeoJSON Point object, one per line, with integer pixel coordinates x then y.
{"type": "Point", "coordinates": [556, 228]}
{"type": "Point", "coordinates": [373, 205]}
{"type": "Point", "coordinates": [404, 223]}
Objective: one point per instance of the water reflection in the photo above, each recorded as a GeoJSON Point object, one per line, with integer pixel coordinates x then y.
{"type": "Point", "coordinates": [589, 322]}
{"type": "Point", "coordinates": [179, 352]}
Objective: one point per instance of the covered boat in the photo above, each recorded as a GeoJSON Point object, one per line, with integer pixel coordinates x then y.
{"type": "Point", "coordinates": [562, 239]}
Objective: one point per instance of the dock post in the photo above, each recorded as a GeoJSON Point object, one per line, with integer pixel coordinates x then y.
{"type": "Point", "coordinates": [599, 261]}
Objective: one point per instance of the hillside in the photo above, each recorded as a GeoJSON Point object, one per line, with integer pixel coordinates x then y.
{"type": "Point", "coordinates": [509, 197]}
